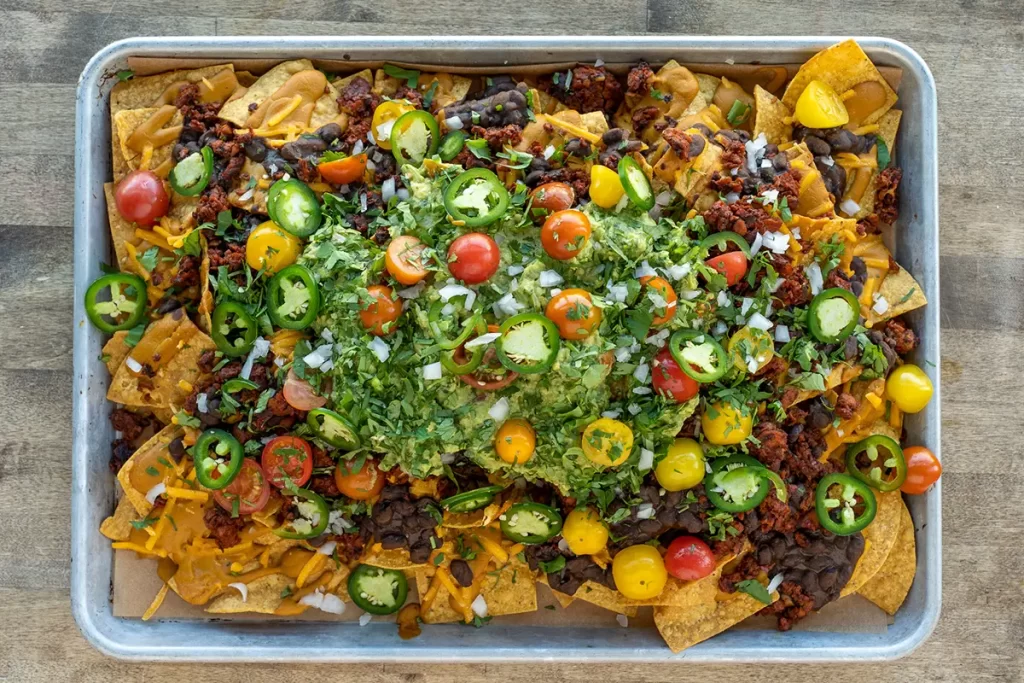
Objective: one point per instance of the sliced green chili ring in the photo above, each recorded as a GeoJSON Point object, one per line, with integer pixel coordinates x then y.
{"type": "Point", "coordinates": [636, 183]}
{"type": "Point", "coordinates": [293, 298]}
{"type": "Point", "coordinates": [451, 145]}
{"type": "Point", "coordinates": [471, 500]}
{"type": "Point", "coordinates": [781, 490]}
{"type": "Point", "coordinates": [377, 590]}
{"type": "Point", "coordinates": [234, 330]}
{"type": "Point", "coordinates": [703, 360]}
{"type": "Point", "coordinates": [294, 207]}
{"type": "Point", "coordinates": [833, 315]}
{"type": "Point", "coordinates": [886, 475]}
{"type": "Point", "coordinates": [435, 321]}
{"type": "Point", "coordinates": [191, 175]}
{"type": "Point", "coordinates": [333, 428]}
{"type": "Point", "coordinates": [307, 525]}
{"type": "Point", "coordinates": [452, 365]}
{"type": "Point", "coordinates": [414, 137]}
{"type": "Point", "coordinates": [211, 470]}
{"type": "Point", "coordinates": [531, 523]}
{"type": "Point", "coordinates": [844, 515]}
{"type": "Point", "coordinates": [721, 239]}
{"type": "Point", "coordinates": [121, 286]}
{"type": "Point", "coordinates": [528, 344]}
{"type": "Point", "coordinates": [732, 461]}
{"type": "Point", "coordinates": [238, 384]}
{"type": "Point", "coordinates": [737, 489]}
{"type": "Point", "coordinates": [478, 191]}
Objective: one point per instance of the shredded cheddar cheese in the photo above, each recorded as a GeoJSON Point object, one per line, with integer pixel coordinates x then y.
{"type": "Point", "coordinates": [571, 129]}
{"type": "Point", "coordinates": [155, 605]}
{"type": "Point", "coordinates": [187, 494]}
{"type": "Point", "coordinates": [864, 130]}
{"type": "Point", "coordinates": [127, 545]}
{"type": "Point", "coordinates": [285, 112]}
{"type": "Point", "coordinates": [147, 157]}
{"type": "Point", "coordinates": [494, 548]}
{"type": "Point", "coordinates": [312, 564]}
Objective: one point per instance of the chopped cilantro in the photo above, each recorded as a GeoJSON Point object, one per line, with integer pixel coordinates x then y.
{"type": "Point", "coordinates": [754, 589]}
{"type": "Point", "coordinates": [410, 76]}
{"type": "Point", "coordinates": [125, 75]}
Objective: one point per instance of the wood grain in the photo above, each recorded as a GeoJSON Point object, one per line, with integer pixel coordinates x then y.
{"type": "Point", "coordinates": [976, 51]}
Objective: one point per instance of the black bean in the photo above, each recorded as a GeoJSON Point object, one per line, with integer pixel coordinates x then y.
{"type": "Point", "coordinates": [697, 143]}
{"type": "Point", "coordinates": [780, 162]}
{"type": "Point", "coordinates": [613, 136]}
{"type": "Point", "coordinates": [462, 572]}
{"type": "Point", "coordinates": [176, 447]}
{"type": "Point", "coordinates": [329, 132]}
{"type": "Point", "coordinates": [818, 147]}
{"type": "Point", "coordinates": [391, 541]}
{"type": "Point", "coordinates": [306, 147]}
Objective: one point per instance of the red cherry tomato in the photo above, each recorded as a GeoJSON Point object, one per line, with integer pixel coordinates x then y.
{"type": "Point", "coordinates": [670, 381]}
{"type": "Point", "coordinates": [923, 470]}
{"type": "Point", "coordinates": [250, 488]}
{"type": "Point", "coordinates": [287, 457]}
{"type": "Point", "coordinates": [384, 310]}
{"type": "Point", "coordinates": [688, 558]}
{"type": "Point", "coordinates": [733, 265]}
{"type": "Point", "coordinates": [564, 233]}
{"type": "Point", "coordinates": [141, 198]}
{"type": "Point", "coordinates": [343, 171]}
{"type": "Point", "coordinates": [548, 198]}
{"type": "Point", "coordinates": [300, 395]}
{"type": "Point", "coordinates": [473, 258]}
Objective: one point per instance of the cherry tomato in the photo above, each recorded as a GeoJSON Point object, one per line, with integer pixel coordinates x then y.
{"type": "Point", "coordinates": [389, 110]}
{"type": "Point", "coordinates": [670, 381]}
{"type": "Point", "coordinates": [584, 532]}
{"type": "Point", "coordinates": [819, 106]}
{"type": "Point", "coordinates": [688, 558]}
{"type": "Point", "coordinates": [564, 233]}
{"type": "Point", "coordinates": [607, 442]}
{"type": "Point", "coordinates": [574, 312]}
{"type": "Point", "coordinates": [271, 247]}
{"type": "Point", "coordinates": [473, 257]}
{"type": "Point", "coordinates": [549, 198]}
{"type": "Point", "coordinates": [383, 310]}
{"type": "Point", "coordinates": [682, 467]}
{"type": "Point", "coordinates": [343, 171]}
{"type": "Point", "coordinates": [605, 186]}
{"type": "Point", "coordinates": [287, 457]}
{"type": "Point", "coordinates": [141, 198]}
{"type": "Point", "coordinates": [725, 425]}
{"type": "Point", "coordinates": [405, 259]}
{"type": "Point", "coordinates": [923, 470]}
{"type": "Point", "coordinates": [250, 489]}
{"type": "Point", "coordinates": [515, 441]}
{"type": "Point", "coordinates": [639, 572]}
{"type": "Point", "coordinates": [909, 388]}
{"type": "Point", "coordinates": [363, 484]}
{"type": "Point", "coordinates": [662, 314]}
{"type": "Point", "coordinates": [732, 264]}
{"type": "Point", "coordinates": [300, 395]}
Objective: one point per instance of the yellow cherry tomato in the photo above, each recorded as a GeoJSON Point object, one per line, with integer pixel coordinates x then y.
{"type": "Point", "coordinates": [682, 467]}
{"type": "Point", "coordinates": [605, 186]}
{"type": "Point", "coordinates": [584, 532]}
{"type": "Point", "coordinates": [607, 442]}
{"type": "Point", "coordinates": [271, 246]}
{"type": "Point", "coordinates": [820, 107]}
{"type": "Point", "coordinates": [515, 442]}
{"type": "Point", "coordinates": [909, 388]}
{"type": "Point", "coordinates": [387, 111]}
{"type": "Point", "coordinates": [751, 349]}
{"type": "Point", "coordinates": [639, 572]}
{"type": "Point", "coordinates": [724, 425]}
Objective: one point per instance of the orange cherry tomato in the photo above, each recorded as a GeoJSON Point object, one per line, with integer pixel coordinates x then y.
{"type": "Point", "coordinates": [662, 314]}
{"type": "Point", "coordinates": [574, 312]}
{"type": "Point", "coordinates": [732, 264]}
{"type": "Point", "coordinates": [550, 198]}
{"type": "Point", "coordinates": [405, 259]}
{"type": "Point", "coordinates": [564, 233]}
{"type": "Point", "coordinates": [300, 394]}
{"type": "Point", "coordinates": [363, 484]}
{"type": "Point", "coordinates": [343, 171]}
{"type": "Point", "coordinates": [287, 457]}
{"type": "Point", "coordinates": [515, 441]}
{"type": "Point", "coordinates": [381, 311]}
{"type": "Point", "coordinates": [923, 470]}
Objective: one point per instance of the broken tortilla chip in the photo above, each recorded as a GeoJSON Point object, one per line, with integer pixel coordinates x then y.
{"type": "Point", "coordinates": [879, 537]}
{"type": "Point", "coordinates": [263, 596]}
{"type": "Point", "coordinates": [889, 586]}
{"type": "Point", "coordinates": [509, 590]}
{"type": "Point", "coordinates": [115, 351]}
{"type": "Point", "coordinates": [144, 469]}
{"type": "Point", "coordinates": [153, 91]}
{"type": "Point", "coordinates": [396, 558]}
{"type": "Point", "coordinates": [147, 137]}
{"type": "Point", "coordinates": [901, 292]}
{"type": "Point", "coordinates": [118, 527]}
{"type": "Point", "coordinates": [770, 117]}
{"type": "Point", "coordinates": [707, 85]}
{"type": "Point", "coordinates": [291, 95]}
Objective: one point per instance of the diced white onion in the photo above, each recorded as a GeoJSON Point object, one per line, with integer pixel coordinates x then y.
{"type": "Point", "coordinates": [598, 63]}
{"type": "Point", "coordinates": [770, 196]}
{"type": "Point", "coordinates": [479, 606]}
{"type": "Point", "coordinates": [432, 371]}
{"type": "Point", "coordinates": [658, 339]}
{"type": "Point", "coordinates": [383, 131]}
{"type": "Point", "coordinates": [689, 294]}
{"type": "Point", "coordinates": [646, 459]}
{"type": "Point", "coordinates": [849, 207]}
{"type": "Point", "coordinates": [775, 583]}
{"type": "Point", "coordinates": [332, 604]}
{"type": "Point", "coordinates": [677, 272]}
{"type": "Point", "coordinates": [752, 365]}
{"type": "Point", "coordinates": [622, 354]}
{"type": "Point", "coordinates": [247, 195]}
{"type": "Point", "coordinates": [447, 458]}
{"type": "Point", "coordinates": [314, 599]}
{"type": "Point", "coordinates": [633, 409]}
{"type": "Point", "coordinates": [777, 242]}
{"type": "Point", "coordinates": [362, 195]}
{"type": "Point", "coordinates": [622, 619]}
{"type": "Point", "coordinates": [814, 277]}
{"type": "Point", "coordinates": [507, 306]}
{"type": "Point", "coordinates": [563, 545]}
{"type": "Point", "coordinates": [641, 391]}
{"type": "Point", "coordinates": [513, 285]}
{"type": "Point", "coordinates": [612, 414]}
{"type": "Point", "coordinates": [657, 299]}
{"type": "Point", "coordinates": [827, 160]}
{"type": "Point", "coordinates": [202, 404]}
{"type": "Point", "coordinates": [327, 367]}
{"type": "Point", "coordinates": [796, 232]}
{"type": "Point", "coordinates": [450, 291]}
{"type": "Point", "coordinates": [259, 350]}
{"type": "Point", "coordinates": [412, 292]}
{"type": "Point", "coordinates": [759, 322]}
{"type": "Point", "coordinates": [387, 189]}
{"type": "Point", "coordinates": [358, 147]}
{"type": "Point", "coordinates": [550, 278]}
{"type": "Point", "coordinates": [617, 293]}
{"type": "Point", "coordinates": [447, 310]}
{"type": "Point", "coordinates": [881, 305]}
{"type": "Point", "coordinates": [482, 340]}
{"type": "Point", "coordinates": [723, 299]}
{"type": "Point", "coordinates": [499, 411]}
{"type": "Point", "coordinates": [327, 548]}
{"type": "Point", "coordinates": [555, 291]}
{"type": "Point", "coordinates": [155, 492]}
{"type": "Point", "coordinates": [645, 510]}
{"type": "Point", "coordinates": [369, 136]}
{"type": "Point", "coordinates": [756, 246]}
{"type": "Point", "coordinates": [453, 123]}
{"type": "Point", "coordinates": [747, 303]}
{"type": "Point", "coordinates": [403, 194]}
{"type": "Point", "coordinates": [514, 270]}
{"type": "Point", "coordinates": [279, 362]}
{"type": "Point", "coordinates": [327, 335]}
{"type": "Point", "coordinates": [133, 365]}
{"type": "Point", "coordinates": [365, 618]}
{"type": "Point", "coordinates": [642, 373]}
{"type": "Point", "coordinates": [241, 588]}
{"type": "Point", "coordinates": [644, 270]}
{"type": "Point", "coordinates": [755, 151]}
{"type": "Point", "coordinates": [380, 348]}
{"type": "Point", "coordinates": [470, 300]}
{"type": "Point", "coordinates": [782, 334]}
{"type": "Point", "coordinates": [732, 197]}
{"type": "Point", "coordinates": [765, 163]}
{"type": "Point", "coordinates": [549, 151]}
{"type": "Point", "coordinates": [720, 328]}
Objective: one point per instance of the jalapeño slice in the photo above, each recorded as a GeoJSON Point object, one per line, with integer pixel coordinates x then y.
{"type": "Point", "coordinates": [878, 462]}
{"type": "Point", "coordinates": [471, 500]}
{"type": "Point", "coordinates": [313, 516]}
{"type": "Point", "coordinates": [294, 207]}
{"type": "Point", "coordinates": [531, 523]}
{"type": "Point", "coordinates": [208, 456]}
{"type": "Point", "coordinates": [377, 590]}
{"type": "Point", "coordinates": [331, 427]}
{"type": "Point", "coordinates": [455, 360]}
{"type": "Point", "coordinates": [234, 330]}
{"type": "Point", "coordinates": [476, 197]}
{"type": "Point", "coordinates": [529, 343]}
{"type": "Point", "coordinates": [414, 137]}
{"type": "Point", "coordinates": [699, 355]}
{"type": "Point", "coordinates": [451, 145]}
{"type": "Point", "coordinates": [844, 505]}
{"type": "Point", "coordinates": [191, 175]}
{"type": "Point", "coordinates": [833, 315]}
{"type": "Point", "coordinates": [126, 306]}
{"type": "Point", "coordinates": [293, 299]}
{"type": "Point", "coordinates": [737, 484]}
{"type": "Point", "coordinates": [721, 239]}
{"type": "Point", "coordinates": [238, 384]}
{"type": "Point", "coordinates": [635, 183]}
{"type": "Point", "coordinates": [438, 325]}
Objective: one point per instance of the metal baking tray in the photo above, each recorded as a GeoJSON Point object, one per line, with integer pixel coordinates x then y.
{"type": "Point", "coordinates": [92, 498]}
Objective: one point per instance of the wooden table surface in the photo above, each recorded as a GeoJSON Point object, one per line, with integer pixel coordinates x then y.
{"type": "Point", "coordinates": [974, 48]}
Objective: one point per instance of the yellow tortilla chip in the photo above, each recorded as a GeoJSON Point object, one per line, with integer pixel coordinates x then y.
{"type": "Point", "coordinates": [244, 195]}
{"type": "Point", "coordinates": [595, 122]}
{"type": "Point", "coordinates": [323, 111]}
{"type": "Point", "coordinates": [246, 78]}
{"type": "Point", "coordinates": [118, 527]}
{"type": "Point", "coordinates": [560, 597]}
{"type": "Point", "coordinates": [115, 351]}
{"type": "Point", "coordinates": [692, 179]}
{"type": "Point", "coordinates": [206, 302]}
{"type": "Point", "coordinates": [879, 538]}
{"type": "Point", "coordinates": [770, 116]}
{"type": "Point", "coordinates": [397, 558]}
{"type": "Point", "coordinates": [341, 83]}
{"type": "Point", "coordinates": [510, 590]}
{"type": "Point", "coordinates": [841, 66]}
{"type": "Point", "coordinates": [863, 192]}
{"type": "Point", "coordinates": [162, 125]}
{"type": "Point", "coordinates": [890, 585]}
{"type": "Point", "coordinates": [122, 232]}
{"type": "Point", "coordinates": [707, 85]}
{"type": "Point", "coordinates": [264, 596]}
{"type": "Point", "coordinates": [152, 91]}
{"type": "Point", "coordinates": [143, 470]}
{"type": "Point", "coordinates": [903, 294]}
{"type": "Point", "coordinates": [841, 374]}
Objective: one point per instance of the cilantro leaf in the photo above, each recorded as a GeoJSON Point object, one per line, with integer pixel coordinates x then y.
{"type": "Point", "coordinates": [638, 322]}
{"type": "Point", "coordinates": [135, 334]}
{"type": "Point", "coordinates": [554, 566]}
{"type": "Point", "coordinates": [754, 589]}
{"type": "Point", "coordinates": [882, 153]}
{"type": "Point", "coordinates": [811, 381]}
{"type": "Point", "coordinates": [410, 76]}
{"type": "Point", "coordinates": [125, 75]}
{"type": "Point", "coordinates": [186, 420]}
{"type": "Point", "coordinates": [149, 257]}
{"type": "Point", "coordinates": [480, 149]}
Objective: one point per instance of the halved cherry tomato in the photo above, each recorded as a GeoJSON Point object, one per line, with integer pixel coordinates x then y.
{"type": "Point", "coordinates": [363, 484]}
{"type": "Point", "coordinates": [300, 395]}
{"type": "Point", "coordinates": [670, 381]}
{"type": "Point", "coordinates": [564, 233]}
{"type": "Point", "coordinates": [605, 186]}
{"type": "Point", "coordinates": [287, 457]}
{"type": "Point", "coordinates": [384, 309]}
{"type": "Point", "coordinates": [142, 198]}
{"type": "Point", "coordinates": [664, 289]}
{"type": "Point", "coordinates": [247, 493]}
{"type": "Point", "coordinates": [473, 257]}
{"type": "Point", "coordinates": [405, 259]}
{"type": "Point", "coordinates": [343, 171]}
{"type": "Point", "coordinates": [732, 264]}
{"type": "Point", "coordinates": [515, 441]}
{"type": "Point", "coordinates": [923, 470]}
{"type": "Point", "coordinates": [574, 312]}
{"type": "Point", "coordinates": [491, 375]}
{"type": "Point", "coordinates": [550, 198]}
{"type": "Point", "coordinates": [688, 558]}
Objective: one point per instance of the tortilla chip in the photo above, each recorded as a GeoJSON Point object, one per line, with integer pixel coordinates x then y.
{"type": "Point", "coordinates": [246, 78]}
{"type": "Point", "coordinates": [841, 374]}
{"type": "Point", "coordinates": [325, 109]}
{"type": "Point", "coordinates": [150, 91]}
{"type": "Point", "coordinates": [365, 74]}
{"type": "Point", "coordinates": [890, 585]}
{"type": "Point", "coordinates": [693, 178]}
{"type": "Point", "coordinates": [511, 590]}
{"type": "Point", "coordinates": [903, 294]}
{"type": "Point", "coordinates": [121, 231]}
{"type": "Point", "coordinates": [560, 597]}
{"type": "Point", "coordinates": [126, 122]}
{"type": "Point", "coordinates": [255, 197]}
{"type": "Point", "coordinates": [115, 351]}
{"type": "Point", "coordinates": [770, 116]}
{"type": "Point", "coordinates": [708, 85]}
{"type": "Point", "coordinates": [595, 122]}
{"type": "Point", "coordinates": [841, 66]}
{"type": "Point", "coordinates": [118, 527]}
{"type": "Point", "coordinates": [476, 518]}
{"type": "Point", "coordinates": [149, 452]}
{"type": "Point", "coordinates": [879, 539]}
{"type": "Point", "coordinates": [206, 302]}
{"type": "Point", "coordinates": [397, 558]}
{"type": "Point", "coordinates": [264, 597]}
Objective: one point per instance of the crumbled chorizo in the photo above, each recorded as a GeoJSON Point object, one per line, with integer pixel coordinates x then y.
{"type": "Point", "coordinates": [886, 201]}
{"type": "Point", "coordinates": [901, 338]}
{"type": "Point", "coordinates": [590, 88]}
{"type": "Point", "coordinates": [130, 424]}
{"type": "Point", "coordinates": [224, 253]}
{"type": "Point", "coordinates": [188, 272]}
{"type": "Point", "coordinates": [224, 528]}
{"type": "Point", "coordinates": [643, 116]}
{"type": "Point", "coordinates": [788, 185]}
{"type": "Point", "coordinates": [741, 218]}
{"type": "Point", "coordinates": [498, 137]}
{"type": "Point", "coordinates": [846, 405]}
{"type": "Point", "coordinates": [639, 79]}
